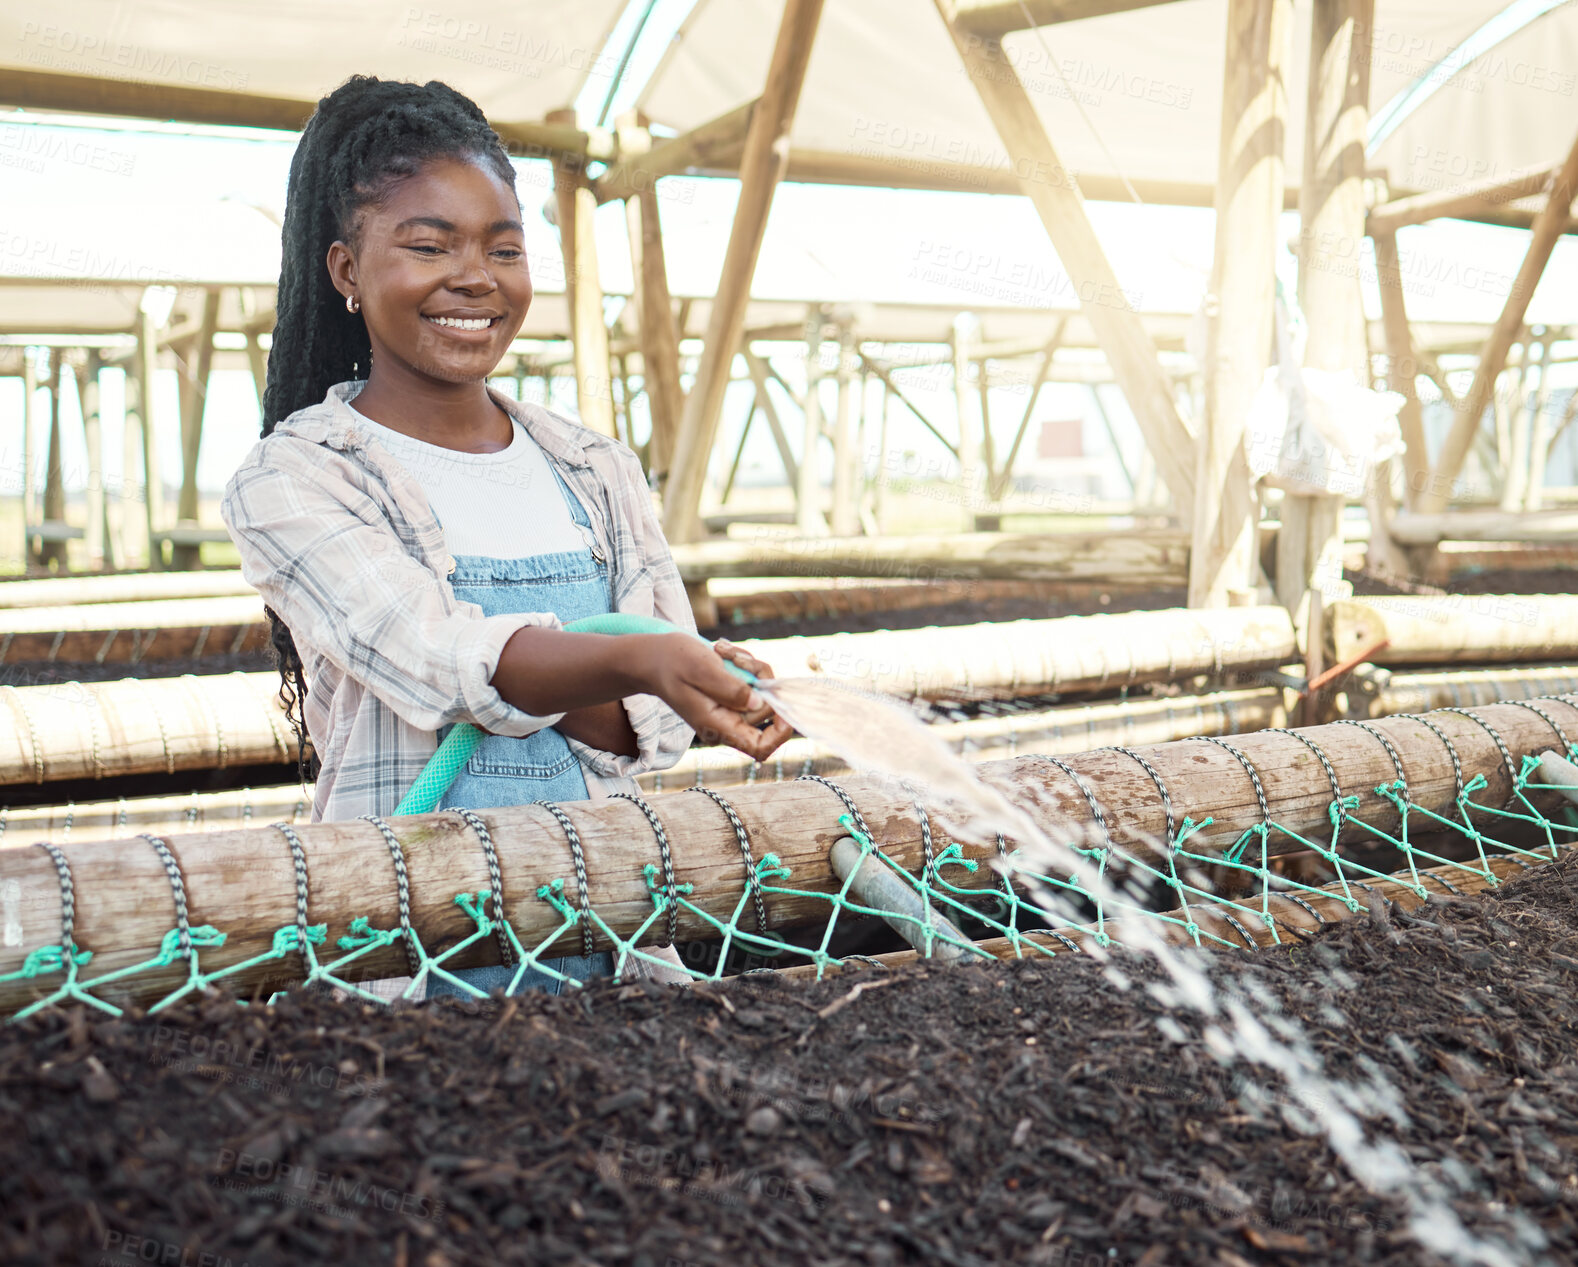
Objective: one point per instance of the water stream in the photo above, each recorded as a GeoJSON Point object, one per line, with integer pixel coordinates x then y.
{"type": "Point", "coordinates": [887, 737]}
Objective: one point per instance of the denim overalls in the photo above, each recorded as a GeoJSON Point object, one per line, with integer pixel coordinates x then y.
{"type": "Point", "coordinates": [539, 767]}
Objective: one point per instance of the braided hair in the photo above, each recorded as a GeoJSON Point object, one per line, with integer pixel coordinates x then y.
{"type": "Point", "coordinates": [364, 138]}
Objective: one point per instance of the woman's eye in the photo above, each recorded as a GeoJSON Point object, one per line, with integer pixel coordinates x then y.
{"type": "Point", "coordinates": [428, 250]}
{"type": "Point", "coordinates": [510, 253]}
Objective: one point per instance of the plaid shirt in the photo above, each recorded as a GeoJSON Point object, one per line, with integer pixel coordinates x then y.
{"type": "Point", "coordinates": [340, 541]}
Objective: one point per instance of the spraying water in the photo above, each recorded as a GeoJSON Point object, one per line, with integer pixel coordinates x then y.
{"type": "Point", "coordinates": [883, 735]}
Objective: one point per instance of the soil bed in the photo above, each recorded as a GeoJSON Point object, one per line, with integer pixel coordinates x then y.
{"type": "Point", "coordinates": [988, 1114]}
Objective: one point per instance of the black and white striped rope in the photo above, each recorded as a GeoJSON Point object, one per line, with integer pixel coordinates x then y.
{"type": "Point", "coordinates": [402, 889]}
{"type": "Point", "coordinates": [742, 838]}
{"type": "Point", "coordinates": [495, 882]}
{"type": "Point", "coordinates": [578, 856]}
{"type": "Point", "coordinates": [172, 869]}
{"type": "Point", "coordinates": [1501, 745]}
{"type": "Point", "coordinates": [68, 900]}
{"type": "Point", "coordinates": [299, 857]}
{"type": "Point", "coordinates": [670, 889]}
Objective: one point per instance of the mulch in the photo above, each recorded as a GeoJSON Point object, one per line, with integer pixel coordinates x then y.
{"type": "Point", "coordinates": [997, 1113]}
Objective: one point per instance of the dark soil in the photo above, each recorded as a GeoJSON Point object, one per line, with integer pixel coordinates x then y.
{"type": "Point", "coordinates": [1017, 1112]}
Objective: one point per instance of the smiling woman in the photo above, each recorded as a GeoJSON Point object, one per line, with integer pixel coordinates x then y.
{"type": "Point", "coordinates": [420, 540]}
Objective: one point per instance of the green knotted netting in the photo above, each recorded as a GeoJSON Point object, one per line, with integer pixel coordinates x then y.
{"type": "Point", "coordinates": [1006, 908]}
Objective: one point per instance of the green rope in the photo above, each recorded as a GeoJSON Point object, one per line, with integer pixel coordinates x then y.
{"type": "Point", "coordinates": [955, 886]}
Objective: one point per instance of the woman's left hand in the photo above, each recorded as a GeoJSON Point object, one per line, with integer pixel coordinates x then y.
{"type": "Point", "coordinates": [776, 728]}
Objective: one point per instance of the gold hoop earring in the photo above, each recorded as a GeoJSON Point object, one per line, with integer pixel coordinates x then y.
{"type": "Point", "coordinates": [351, 304]}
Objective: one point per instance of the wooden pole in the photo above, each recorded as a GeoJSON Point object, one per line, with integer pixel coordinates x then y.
{"type": "Point", "coordinates": [1385, 692]}
{"type": "Point", "coordinates": [153, 487]}
{"type": "Point", "coordinates": [846, 452]}
{"type": "Point", "coordinates": [1055, 193]}
{"type": "Point", "coordinates": [1249, 203]}
{"type": "Point", "coordinates": [808, 491]}
{"type": "Point", "coordinates": [762, 164]}
{"type": "Point", "coordinates": [131, 587]}
{"type": "Point", "coordinates": [199, 357]}
{"type": "Point", "coordinates": [245, 883]}
{"type": "Point", "coordinates": [1549, 225]}
{"type": "Point", "coordinates": [1005, 476]}
{"type": "Point", "coordinates": [879, 487]}
{"type": "Point", "coordinates": [30, 430]}
{"type": "Point", "coordinates": [1475, 196]}
{"type": "Point", "coordinates": [53, 553]}
{"type": "Point", "coordinates": [1331, 215]}
{"type": "Point", "coordinates": [1539, 428]}
{"type": "Point", "coordinates": [576, 210]}
{"type": "Point", "coordinates": [97, 532]}
{"type": "Point", "coordinates": [1402, 366]}
{"type": "Point", "coordinates": [966, 403]}
{"type": "Point", "coordinates": [1515, 470]}
{"type": "Point", "coordinates": [758, 369]}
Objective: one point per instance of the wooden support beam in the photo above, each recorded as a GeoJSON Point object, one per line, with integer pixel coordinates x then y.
{"type": "Point", "coordinates": [66, 591]}
{"type": "Point", "coordinates": [1381, 692]}
{"type": "Point", "coordinates": [973, 473]}
{"type": "Point", "coordinates": [97, 531]}
{"type": "Point", "coordinates": [575, 209]}
{"type": "Point", "coordinates": [739, 451]}
{"type": "Point", "coordinates": [30, 431]}
{"type": "Point", "coordinates": [758, 368]}
{"type": "Point", "coordinates": [999, 17]}
{"type": "Point", "coordinates": [198, 358]}
{"type": "Point", "coordinates": [1455, 628]}
{"type": "Point", "coordinates": [120, 633]}
{"type": "Point", "coordinates": [1003, 477]}
{"type": "Point", "coordinates": [885, 375]}
{"type": "Point", "coordinates": [1402, 366]}
{"type": "Point", "coordinates": [654, 311]}
{"type": "Point", "coordinates": [1459, 203]}
{"type": "Point", "coordinates": [53, 553]}
{"type": "Point", "coordinates": [639, 168]}
{"type": "Point", "coordinates": [1249, 201]}
{"type": "Point", "coordinates": [809, 519]}
{"type": "Point", "coordinates": [761, 168]}
{"type": "Point", "coordinates": [153, 485]}
{"type": "Point", "coordinates": [102, 94]}
{"type": "Point", "coordinates": [1549, 225]}
{"type": "Point", "coordinates": [846, 451]}
{"type": "Point", "coordinates": [244, 882]}
{"type": "Point", "coordinates": [1331, 216]}
{"type": "Point", "coordinates": [1056, 195]}
{"type": "Point", "coordinates": [1555, 526]}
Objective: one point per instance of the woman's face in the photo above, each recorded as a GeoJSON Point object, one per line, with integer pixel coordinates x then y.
{"type": "Point", "coordinates": [440, 272]}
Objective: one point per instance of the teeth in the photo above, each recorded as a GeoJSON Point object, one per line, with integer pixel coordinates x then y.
{"type": "Point", "coordinates": [459, 323]}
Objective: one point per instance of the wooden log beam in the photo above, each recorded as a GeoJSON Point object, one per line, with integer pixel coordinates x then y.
{"type": "Point", "coordinates": [153, 483]}
{"type": "Point", "coordinates": [1056, 195]}
{"type": "Point", "coordinates": [1462, 202]}
{"type": "Point", "coordinates": [1558, 527]}
{"type": "Point", "coordinates": [976, 555]}
{"type": "Point", "coordinates": [93, 731]}
{"type": "Point", "coordinates": [1250, 191]}
{"type": "Point", "coordinates": [116, 633]}
{"type": "Point", "coordinates": [1455, 628]}
{"type": "Point", "coordinates": [127, 587]}
{"type": "Point", "coordinates": [1064, 729]}
{"type": "Point", "coordinates": [1068, 654]}
{"type": "Point", "coordinates": [97, 532]}
{"type": "Point", "coordinates": [244, 882]}
{"type": "Point", "coordinates": [1381, 692]}
{"type": "Point", "coordinates": [1549, 224]}
{"type": "Point", "coordinates": [761, 168]}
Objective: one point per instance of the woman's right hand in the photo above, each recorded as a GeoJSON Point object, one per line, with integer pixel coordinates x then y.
{"type": "Point", "coordinates": [691, 678]}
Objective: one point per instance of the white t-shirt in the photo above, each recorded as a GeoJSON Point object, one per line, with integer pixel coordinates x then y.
{"type": "Point", "coordinates": [504, 505]}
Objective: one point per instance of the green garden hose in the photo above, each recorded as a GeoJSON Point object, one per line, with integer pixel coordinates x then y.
{"type": "Point", "coordinates": [442, 767]}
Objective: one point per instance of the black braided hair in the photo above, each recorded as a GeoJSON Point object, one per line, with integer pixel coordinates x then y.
{"type": "Point", "coordinates": [365, 137]}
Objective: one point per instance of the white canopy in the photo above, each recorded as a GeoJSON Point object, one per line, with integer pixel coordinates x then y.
{"type": "Point", "coordinates": [1459, 88]}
